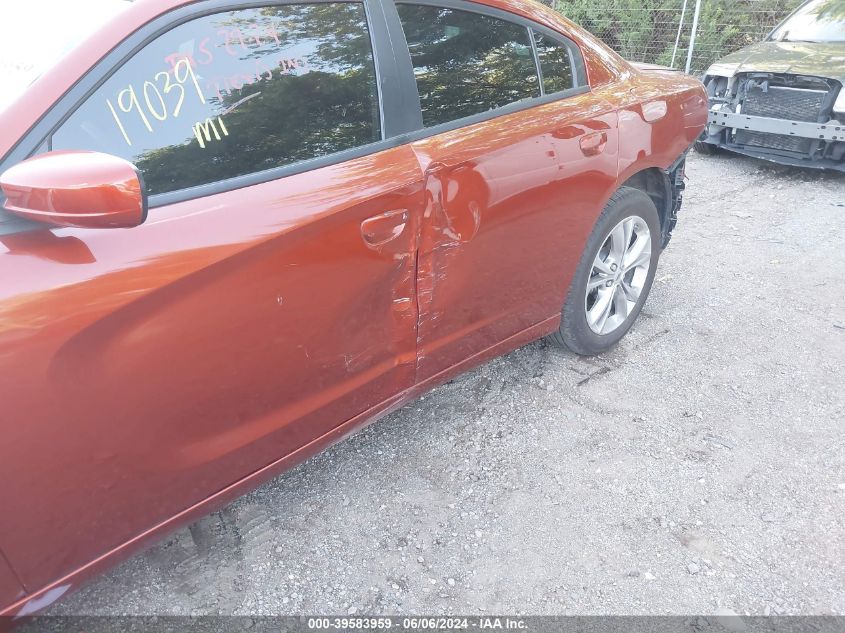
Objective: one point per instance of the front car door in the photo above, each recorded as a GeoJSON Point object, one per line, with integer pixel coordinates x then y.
{"type": "Point", "coordinates": [519, 157]}
{"type": "Point", "coordinates": [267, 299]}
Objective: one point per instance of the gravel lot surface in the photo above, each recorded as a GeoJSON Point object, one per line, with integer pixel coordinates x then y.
{"type": "Point", "coordinates": [698, 468]}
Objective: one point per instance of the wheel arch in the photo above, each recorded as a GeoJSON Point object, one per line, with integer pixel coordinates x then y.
{"type": "Point", "coordinates": [664, 187]}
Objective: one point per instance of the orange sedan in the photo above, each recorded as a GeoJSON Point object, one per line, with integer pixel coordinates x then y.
{"type": "Point", "coordinates": [233, 234]}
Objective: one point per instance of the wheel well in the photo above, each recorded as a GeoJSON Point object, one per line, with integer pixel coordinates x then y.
{"type": "Point", "coordinates": [654, 183]}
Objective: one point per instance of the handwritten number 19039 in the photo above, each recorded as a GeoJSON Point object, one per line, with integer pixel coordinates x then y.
{"type": "Point", "coordinates": [127, 99]}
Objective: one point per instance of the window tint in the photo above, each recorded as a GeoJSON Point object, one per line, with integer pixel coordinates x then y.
{"type": "Point", "coordinates": [555, 64]}
{"type": "Point", "coordinates": [234, 93]}
{"type": "Point", "coordinates": [466, 63]}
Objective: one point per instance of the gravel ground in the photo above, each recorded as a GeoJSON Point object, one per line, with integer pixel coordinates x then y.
{"type": "Point", "coordinates": [698, 468]}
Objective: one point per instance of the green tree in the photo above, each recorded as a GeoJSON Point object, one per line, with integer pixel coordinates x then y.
{"type": "Point", "coordinates": [833, 10]}
{"type": "Point", "coordinates": [645, 30]}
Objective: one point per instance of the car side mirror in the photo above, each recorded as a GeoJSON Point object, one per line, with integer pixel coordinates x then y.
{"type": "Point", "coordinates": [76, 188]}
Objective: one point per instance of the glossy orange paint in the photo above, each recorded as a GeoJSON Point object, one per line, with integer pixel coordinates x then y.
{"type": "Point", "coordinates": [46, 188]}
{"type": "Point", "coordinates": [193, 350]}
{"type": "Point", "coordinates": [156, 373]}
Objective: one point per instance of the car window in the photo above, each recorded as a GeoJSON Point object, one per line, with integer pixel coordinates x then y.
{"type": "Point", "coordinates": [555, 63]}
{"type": "Point", "coordinates": [817, 21]}
{"type": "Point", "coordinates": [235, 93]}
{"type": "Point", "coordinates": [467, 63]}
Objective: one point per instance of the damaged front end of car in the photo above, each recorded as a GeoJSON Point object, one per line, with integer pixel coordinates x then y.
{"type": "Point", "coordinates": [786, 118]}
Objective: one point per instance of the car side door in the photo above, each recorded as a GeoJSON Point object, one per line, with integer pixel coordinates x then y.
{"type": "Point", "coordinates": [519, 157]}
{"type": "Point", "coordinates": [267, 301]}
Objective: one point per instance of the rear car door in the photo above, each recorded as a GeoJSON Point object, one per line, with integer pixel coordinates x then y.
{"type": "Point", "coordinates": [267, 299]}
{"type": "Point", "coordinates": [518, 158]}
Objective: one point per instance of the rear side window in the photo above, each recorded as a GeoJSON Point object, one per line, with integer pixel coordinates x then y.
{"type": "Point", "coordinates": [467, 63]}
{"type": "Point", "coordinates": [556, 63]}
{"type": "Point", "coordinates": [234, 93]}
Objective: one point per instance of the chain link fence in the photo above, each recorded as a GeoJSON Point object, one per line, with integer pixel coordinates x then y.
{"type": "Point", "coordinates": [648, 30]}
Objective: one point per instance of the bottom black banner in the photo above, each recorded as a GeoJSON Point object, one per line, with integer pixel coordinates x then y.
{"type": "Point", "coordinates": [424, 624]}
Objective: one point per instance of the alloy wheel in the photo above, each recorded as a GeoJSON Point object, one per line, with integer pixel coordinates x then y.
{"type": "Point", "coordinates": [618, 276]}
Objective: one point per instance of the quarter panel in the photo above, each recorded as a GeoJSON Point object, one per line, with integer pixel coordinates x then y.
{"type": "Point", "coordinates": [154, 366]}
{"type": "Point", "coordinates": [661, 115]}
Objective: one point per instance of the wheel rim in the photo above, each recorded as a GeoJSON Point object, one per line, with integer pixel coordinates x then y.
{"type": "Point", "coordinates": [618, 276]}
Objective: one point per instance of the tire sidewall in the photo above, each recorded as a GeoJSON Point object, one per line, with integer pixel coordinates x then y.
{"type": "Point", "coordinates": [707, 149]}
{"type": "Point", "coordinates": [576, 331]}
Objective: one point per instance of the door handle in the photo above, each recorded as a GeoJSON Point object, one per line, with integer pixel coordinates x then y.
{"type": "Point", "coordinates": [382, 229]}
{"type": "Point", "coordinates": [593, 144]}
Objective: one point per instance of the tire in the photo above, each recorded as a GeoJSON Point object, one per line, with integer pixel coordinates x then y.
{"type": "Point", "coordinates": [707, 149]}
{"type": "Point", "coordinates": [584, 333]}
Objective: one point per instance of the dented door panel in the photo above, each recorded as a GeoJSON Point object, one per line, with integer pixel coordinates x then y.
{"type": "Point", "coordinates": [509, 205]}
{"type": "Point", "coordinates": [153, 367]}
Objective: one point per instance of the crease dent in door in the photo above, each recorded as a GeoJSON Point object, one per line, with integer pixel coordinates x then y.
{"type": "Point", "coordinates": [456, 201]}
{"type": "Point", "coordinates": [401, 244]}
